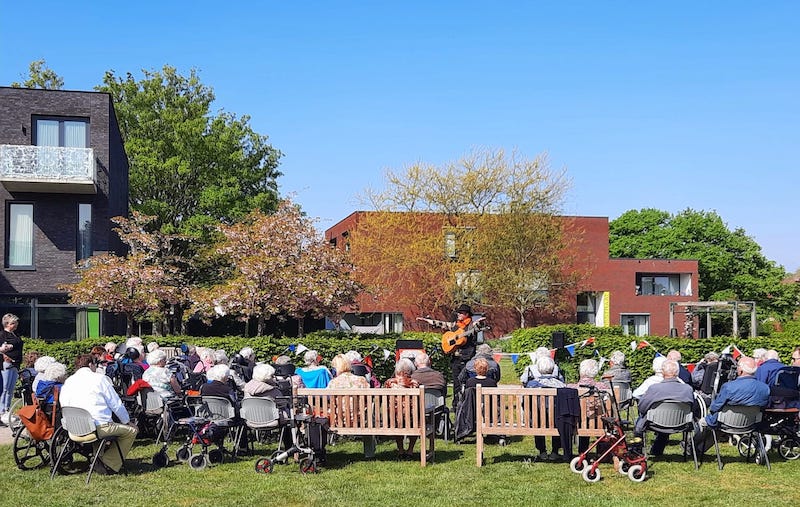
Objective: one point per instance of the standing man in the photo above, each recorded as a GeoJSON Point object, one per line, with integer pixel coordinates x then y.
{"type": "Point", "coordinates": [11, 348]}
{"type": "Point", "coordinates": [94, 393]}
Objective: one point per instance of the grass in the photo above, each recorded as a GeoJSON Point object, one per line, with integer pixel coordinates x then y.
{"type": "Point", "coordinates": [509, 478]}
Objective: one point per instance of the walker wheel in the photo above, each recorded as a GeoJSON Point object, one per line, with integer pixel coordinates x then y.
{"type": "Point", "coordinates": [624, 466]}
{"type": "Point", "coordinates": [216, 456]}
{"type": "Point", "coordinates": [577, 465]}
{"type": "Point", "coordinates": [745, 446]}
{"type": "Point", "coordinates": [591, 476]}
{"type": "Point", "coordinates": [308, 466]}
{"type": "Point", "coordinates": [198, 461]}
{"type": "Point", "coordinates": [264, 466]}
{"type": "Point", "coordinates": [637, 473]}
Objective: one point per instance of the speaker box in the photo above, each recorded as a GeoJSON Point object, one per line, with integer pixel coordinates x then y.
{"type": "Point", "coordinates": [558, 339]}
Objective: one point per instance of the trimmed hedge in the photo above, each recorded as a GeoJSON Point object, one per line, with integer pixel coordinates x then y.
{"type": "Point", "coordinates": [522, 341]}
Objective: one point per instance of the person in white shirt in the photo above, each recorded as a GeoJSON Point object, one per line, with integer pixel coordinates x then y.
{"type": "Point", "coordinates": [94, 393]}
{"type": "Point", "coordinates": [657, 377]}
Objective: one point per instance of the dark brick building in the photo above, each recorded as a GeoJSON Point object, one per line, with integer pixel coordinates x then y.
{"type": "Point", "coordinates": [633, 293]}
{"type": "Point", "coordinates": [63, 176]}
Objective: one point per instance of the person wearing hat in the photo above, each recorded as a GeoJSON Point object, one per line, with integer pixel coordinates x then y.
{"type": "Point", "coordinates": [460, 357]}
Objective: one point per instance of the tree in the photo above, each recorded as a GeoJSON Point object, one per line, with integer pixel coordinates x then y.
{"type": "Point", "coordinates": [730, 263]}
{"type": "Point", "coordinates": [279, 266]}
{"type": "Point", "coordinates": [483, 229]}
{"type": "Point", "coordinates": [40, 76]}
{"type": "Point", "coordinates": [190, 167]}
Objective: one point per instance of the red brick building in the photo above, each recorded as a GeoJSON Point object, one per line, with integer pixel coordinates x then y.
{"type": "Point", "coordinates": [633, 293]}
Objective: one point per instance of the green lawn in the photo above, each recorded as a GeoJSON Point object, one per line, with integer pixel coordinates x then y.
{"type": "Point", "coordinates": [509, 478]}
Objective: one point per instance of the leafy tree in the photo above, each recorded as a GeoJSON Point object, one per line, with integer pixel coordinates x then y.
{"type": "Point", "coordinates": [190, 167]}
{"type": "Point", "coordinates": [500, 243]}
{"type": "Point", "coordinates": [40, 76]}
{"type": "Point", "coordinates": [731, 265]}
{"type": "Point", "coordinates": [278, 266]}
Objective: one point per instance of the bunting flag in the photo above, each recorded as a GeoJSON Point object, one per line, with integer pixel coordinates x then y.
{"type": "Point", "coordinates": [690, 367]}
{"type": "Point", "coordinates": [571, 349]}
{"type": "Point", "coordinates": [633, 345]}
{"type": "Point", "coordinates": [642, 344]}
{"type": "Point", "coordinates": [736, 352]}
{"type": "Point", "coordinates": [587, 341]}
{"type": "Point", "coordinates": [600, 363]}
{"type": "Point", "coordinates": [532, 355]}
{"type": "Point", "coordinates": [291, 347]}
{"type": "Point", "coordinates": [659, 354]}
{"type": "Point", "coordinates": [497, 357]}
{"type": "Point", "coordinates": [386, 354]}
{"type": "Point", "coordinates": [553, 354]}
{"type": "Point", "coordinates": [727, 350]}
{"type": "Point", "coordinates": [514, 358]}
{"type": "Point", "coordinates": [300, 349]}
{"type": "Point", "coordinates": [368, 361]}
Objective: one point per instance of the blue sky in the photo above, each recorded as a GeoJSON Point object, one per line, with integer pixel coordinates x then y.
{"type": "Point", "coordinates": [670, 105]}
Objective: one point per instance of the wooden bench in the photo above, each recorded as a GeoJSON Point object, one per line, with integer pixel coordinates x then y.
{"type": "Point", "coordinates": [524, 411]}
{"type": "Point", "coordinates": [373, 411]}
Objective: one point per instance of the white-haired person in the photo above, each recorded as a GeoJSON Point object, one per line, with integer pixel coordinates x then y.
{"type": "Point", "coordinates": [617, 371]}
{"type": "Point", "coordinates": [152, 346]}
{"type": "Point", "coordinates": [218, 384]}
{"type": "Point", "coordinates": [402, 380]}
{"type": "Point", "coordinates": [547, 379]}
{"type": "Point", "coordinates": [221, 357]}
{"type": "Point", "coordinates": [286, 370]}
{"type": "Point", "coordinates": [207, 360]}
{"type": "Point", "coordinates": [655, 378]}
{"type": "Point", "coordinates": [768, 370]}
{"type": "Point", "coordinates": [40, 366]}
{"type": "Point", "coordinates": [532, 371]}
{"type": "Point", "coordinates": [110, 348]}
{"type": "Point", "coordinates": [244, 362]}
{"type": "Point", "coordinates": [313, 374]}
{"type": "Point", "coordinates": [52, 379]}
{"type": "Point", "coordinates": [357, 362]}
{"type": "Point", "coordinates": [160, 378]}
{"type": "Point", "coordinates": [683, 374]}
{"type": "Point", "coordinates": [261, 386]}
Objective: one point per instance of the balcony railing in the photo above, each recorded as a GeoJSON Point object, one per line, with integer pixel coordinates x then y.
{"type": "Point", "coordinates": [47, 169]}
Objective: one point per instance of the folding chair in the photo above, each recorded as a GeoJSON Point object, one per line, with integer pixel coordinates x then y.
{"type": "Point", "coordinates": [83, 431]}
{"type": "Point", "coordinates": [625, 400]}
{"type": "Point", "coordinates": [260, 414]}
{"type": "Point", "coordinates": [669, 417]}
{"type": "Point", "coordinates": [743, 421]}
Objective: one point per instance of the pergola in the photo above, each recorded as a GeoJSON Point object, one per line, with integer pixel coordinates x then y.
{"type": "Point", "coordinates": [709, 307]}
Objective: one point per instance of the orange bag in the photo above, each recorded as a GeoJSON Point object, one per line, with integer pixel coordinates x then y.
{"type": "Point", "coordinates": [36, 421]}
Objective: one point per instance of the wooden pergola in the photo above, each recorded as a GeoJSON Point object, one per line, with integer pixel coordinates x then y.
{"type": "Point", "coordinates": [710, 307]}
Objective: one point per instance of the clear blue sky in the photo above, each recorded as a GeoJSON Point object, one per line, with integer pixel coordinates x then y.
{"type": "Point", "coordinates": [646, 104]}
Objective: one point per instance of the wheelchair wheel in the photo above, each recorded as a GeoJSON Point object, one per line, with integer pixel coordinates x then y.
{"type": "Point", "coordinates": [789, 448]}
{"type": "Point", "coordinates": [308, 466]}
{"type": "Point", "coordinates": [591, 476]}
{"type": "Point", "coordinates": [216, 456]}
{"type": "Point", "coordinates": [57, 443]}
{"type": "Point", "coordinates": [264, 466]}
{"type": "Point", "coordinates": [29, 453]}
{"type": "Point", "coordinates": [183, 453]}
{"type": "Point", "coordinates": [577, 465]}
{"type": "Point", "coordinates": [637, 473]}
{"type": "Point", "coordinates": [198, 461]}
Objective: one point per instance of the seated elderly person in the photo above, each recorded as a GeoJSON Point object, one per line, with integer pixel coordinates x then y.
{"type": "Point", "coordinates": [745, 390]}
{"type": "Point", "coordinates": [313, 374]}
{"type": "Point", "coordinates": [481, 377]}
{"type": "Point", "coordinates": [286, 370]}
{"type": "Point", "coordinates": [683, 373]}
{"type": "Point", "coordinates": [261, 385]}
{"type": "Point", "coordinates": [532, 372]}
{"type": "Point", "coordinates": [92, 392]}
{"type": "Point", "coordinates": [159, 377]}
{"type": "Point", "coordinates": [617, 371]}
{"type": "Point", "coordinates": [52, 379]}
{"type": "Point", "coordinates": [482, 351]}
{"type": "Point", "coordinates": [207, 360]}
{"type": "Point", "coordinates": [427, 376]}
{"type": "Point", "coordinates": [218, 383]}
{"type": "Point", "coordinates": [655, 378]}
{"type": "Point", "coordinates": [402, 380]}
{"type": "Point", "coordinates": [243, 363]}
{"type": "Point", "coordinates": [767, 370]}
{"type": "Point", "coordinates": [671, 388]}
{"type": "Point", "coordinates": [545, 366]}
{"type": "Point", "coordinates": [587, 371]}
{"type": "Point", "coordinates": [40, 366]}
{"type": "Point", "coordinates": [345, 379]}
{"type": "Point", "coordinates": [701, 367]}
{"type": "Point", "coordinates": [357, 363]}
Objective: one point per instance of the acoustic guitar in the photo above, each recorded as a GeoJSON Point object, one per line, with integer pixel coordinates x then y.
{"type": "Point", "coordinates": [452, 340]}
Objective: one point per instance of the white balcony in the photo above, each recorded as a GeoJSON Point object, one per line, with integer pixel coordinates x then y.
{"type": "Point", "coordinates": [47, 169]}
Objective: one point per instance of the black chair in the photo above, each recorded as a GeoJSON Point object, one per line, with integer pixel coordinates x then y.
{"type": "Point", "coordinates": [668, 417]}
{"type": "Point", "coordinates": [743, 421]}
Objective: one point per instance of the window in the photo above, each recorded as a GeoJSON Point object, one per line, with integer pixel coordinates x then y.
{"type": "Point", "coordinates": [648, 284]}
{"type": "Point", "coordinates": [635, 324]}
{"type": "Point", "coordinates": [587, 306]}
{"type": "Point", "coordinates": [84, 245]}
{"type": "Point", "coordinates": [450, 244]}
{"type": "Point", "coordinates": [19, 236]}
{"type": "Point", "coordinates": [67, 133]}
{"type": "Point", "coordinates": [468, 286]}
{"type": "Point", "coordinates": [457, 241]}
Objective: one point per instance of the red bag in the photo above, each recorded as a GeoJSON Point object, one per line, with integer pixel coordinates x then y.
{"type": "Point", "coordinates": [36, 421]}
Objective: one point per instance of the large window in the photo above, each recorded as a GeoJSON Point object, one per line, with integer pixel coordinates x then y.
{"type": "Point", "coordinates": [658, 285]}
{"type": "Point", "coordinates": [68, 133]}
{"type": "Point", "coordinates": [635, 324]}
{"type": "Point", "coordinates": [84, 247]}
{"type": "Point", "coordinates": [19, 236]}
{"type": "Point", "coordinates": [586, 307]}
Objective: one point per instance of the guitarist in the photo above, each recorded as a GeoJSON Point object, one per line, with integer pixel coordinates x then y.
{"type": "Point", "coordinates": [460, 356]}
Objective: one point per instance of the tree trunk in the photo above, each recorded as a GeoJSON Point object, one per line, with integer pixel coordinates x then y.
{"type": "Point", "coordinates": [260, 327]}
{"type": "Point", "coordinates": [129, 325]}
{"type": "Point", "coordinates": [300, 323]}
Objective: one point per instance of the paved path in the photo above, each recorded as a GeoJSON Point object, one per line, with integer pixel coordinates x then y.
{"type": "Point", "coordinates": [5, 436]}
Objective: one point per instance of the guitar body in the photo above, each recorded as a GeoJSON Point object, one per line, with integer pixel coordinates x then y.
{"type": "Point", "coordinates": [451, 340]}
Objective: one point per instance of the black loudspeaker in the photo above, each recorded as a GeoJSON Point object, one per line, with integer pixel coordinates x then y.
{"type": "Point", "coordinates": [558, 339]}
